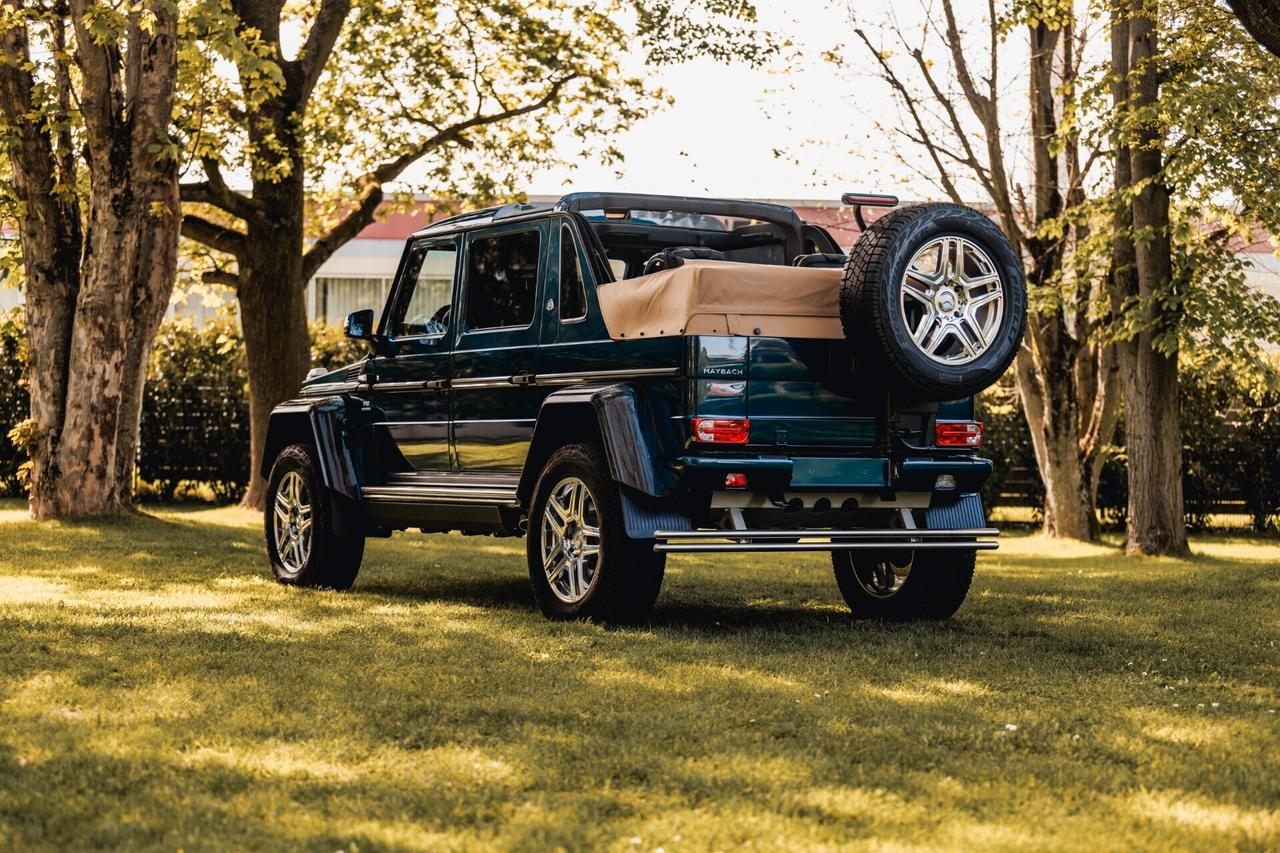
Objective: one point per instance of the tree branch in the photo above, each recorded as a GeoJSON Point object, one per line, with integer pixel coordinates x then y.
{"type": "Point", "coordinates": [1260, 19]}
{"type": "Point", "coordinates": [370, 184]}
{"type": "Point", "coordinates": [220, 277]}
{"type": "Point", "coordinates": [319, 44]}
{"type": "Point", "coordinates": [100, 66]}
{"type": "Point", "coordinates": [889, 76]}
{"type": "Point", "coordinates": [214, 236]}
{"type": "Point", "coordinates": [214, 191]}
{"type": "Point", "coordinates": [984, 107]}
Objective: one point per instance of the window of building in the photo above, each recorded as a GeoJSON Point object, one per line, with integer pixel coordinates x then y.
{"type": "Point", "coordinates": [336, 297]}
{"type": "Point", "coordinates": [502, 280]}
{"type": "Point", "coordinates": [573, 292]}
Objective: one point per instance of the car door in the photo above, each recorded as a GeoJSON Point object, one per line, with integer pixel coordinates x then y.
{"type": "Point", "coordinates": [411, 386]}
{"type": "Point", "coordinates": [495, 406]}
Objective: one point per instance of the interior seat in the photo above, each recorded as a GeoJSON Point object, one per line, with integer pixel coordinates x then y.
{"type": "Point", "coordinates": [820, 259]}
{"type": "Point", "coordinates": [671, 258]}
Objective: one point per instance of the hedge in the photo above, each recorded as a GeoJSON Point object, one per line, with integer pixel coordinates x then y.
{"type": "Point", "coordinates": [15, 404]}
{"type": "Point", "coordinates": [1231, 452]}
{"type": "Point", "coordinates": [195, 411]}
{"type": "Point", "coordinates": [195, 428]}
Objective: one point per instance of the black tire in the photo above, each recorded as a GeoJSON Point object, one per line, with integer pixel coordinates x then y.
{"type": "Point", "coordinates": [331, 561]}
{"type": "Point", "coordinates": [872, 300]}
{"type": "Point", "coordinates": [626, 575]}
{"type": "Point", "coordinates": [933, 589]}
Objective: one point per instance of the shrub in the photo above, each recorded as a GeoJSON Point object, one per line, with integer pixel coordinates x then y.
{"type": "Point", "coordinates": [195, 411]}
{"type": "Point", "coordinates": [15, 404]}
{"type": "Point", "coordinates": [331, 349]}
{"type": "Point", "coordinates": [1007, 443]}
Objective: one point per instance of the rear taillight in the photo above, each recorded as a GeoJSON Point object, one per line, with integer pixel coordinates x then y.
{"type": "Point", "coordinates": [957, 434]}
{"type": "Point", "coordinates": [720, 430]}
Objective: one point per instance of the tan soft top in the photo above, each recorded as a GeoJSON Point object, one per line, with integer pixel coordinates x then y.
{"type": "Point", "coordinates": [725, 298]}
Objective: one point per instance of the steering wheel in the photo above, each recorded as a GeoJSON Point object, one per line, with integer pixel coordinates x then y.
{"type": "Point", "coordinates": [663, 260]}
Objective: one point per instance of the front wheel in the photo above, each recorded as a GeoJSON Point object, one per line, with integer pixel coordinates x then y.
{"type": "Point", "coordinates": [302, 543]}
{"type": "Point", "coordinates": [904, 585]}
{"type": "Point", "coordinates": [581, 562]}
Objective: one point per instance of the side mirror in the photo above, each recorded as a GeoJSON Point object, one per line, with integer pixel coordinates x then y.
{"type": "Point", "coordinates": [359, 325]}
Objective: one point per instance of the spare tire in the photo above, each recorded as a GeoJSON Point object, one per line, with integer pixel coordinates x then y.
{"type": "Point", "coordinates": [933, 302]}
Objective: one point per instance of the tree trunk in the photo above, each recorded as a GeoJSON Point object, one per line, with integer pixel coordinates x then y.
{"type": "Point", "coordinates": [50, 235]}
{"type": "Point", "coordinates": [273, 316]}
{"type": "Point", "coordinates": [93, 303]}
{"type": "Point", "coordinates": [1063, 393]}
{"type": "Point", "coordinates": [1143, 269]}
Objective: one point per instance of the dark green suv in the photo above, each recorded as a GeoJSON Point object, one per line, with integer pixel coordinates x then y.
{"type": "Point", "coordinates": [618, 377]}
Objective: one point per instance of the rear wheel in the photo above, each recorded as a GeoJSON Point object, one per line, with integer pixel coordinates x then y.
{"type": "Point", "coordinates": [581, 562]}
{"type": "Point", "coordinates": [302, 544]}
{"type": "Point", "coordinates": [904, 585]}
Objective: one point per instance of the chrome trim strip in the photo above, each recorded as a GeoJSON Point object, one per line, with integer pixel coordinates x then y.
{"type": "Point", "coordinates": [484, 382]}
{"type": "Point", "coordinates": [862, 533]}
{"type": "Point", "coordinates": [693, 547]}
{"type": "Point", "coordinates": [460, 421]}
{"type": "Point", "coordinates": [592, 375]}
{"type": "Point", "coordinates": [409, 423]}
{"type": "Point", "coordinates": [504, 381]}
{"type": "Point", "coordinates": [329, 388]}
{"type": "Point", "coordinates": [451, 480]}
{"type": "Point", "coordinates": [691, 541]}
{"type": "Point", "coordinates": [418, 385]}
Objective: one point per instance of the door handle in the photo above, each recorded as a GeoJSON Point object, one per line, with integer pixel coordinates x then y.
{"type": "Point", "coordinates": [522, 379]}
{"type": "Point", "coordinates": [436, 384]}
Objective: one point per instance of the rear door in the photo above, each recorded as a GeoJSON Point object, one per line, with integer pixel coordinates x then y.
{"type": "Point", "coordinates": [411, 386]}
{"type": "Point", "coordinates": [495, 406]}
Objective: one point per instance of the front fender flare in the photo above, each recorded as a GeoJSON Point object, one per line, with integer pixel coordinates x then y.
{"type": "Point", "coordinates": [327, 424]}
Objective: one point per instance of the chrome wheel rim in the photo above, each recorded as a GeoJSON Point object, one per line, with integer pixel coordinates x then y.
{"type": "Point", "coordinates": [952, 300]}
{"type": "Point", "coordinates": [570, 540]}
{"type": "Point", "coordinates": [883, 578]}
{"type": "Point", "coordinates": [292, 521]}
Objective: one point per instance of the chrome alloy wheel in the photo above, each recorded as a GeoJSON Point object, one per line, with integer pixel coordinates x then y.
{"type": "Point", "coordinates": [570, 540]}
{"type": "Point", "coordinates": [883, 578]}
{"type": "Point", "coordinates": [292, 521]}
{"type": "Point", "coordinates": [952, 300]}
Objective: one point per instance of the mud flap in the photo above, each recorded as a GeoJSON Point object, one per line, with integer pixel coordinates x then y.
{"type": "Point", "coordinates": [964, 513]}
{"type": "Point", "coordinates": [642, 518]}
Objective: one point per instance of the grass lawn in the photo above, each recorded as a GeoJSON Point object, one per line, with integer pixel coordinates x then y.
{"type": "Point", "coordinates": [159, 690]}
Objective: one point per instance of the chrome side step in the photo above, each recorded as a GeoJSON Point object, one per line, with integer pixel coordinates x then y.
{"type": "Point", "coordinates": [441, 495]}
{"type": "Point", "coordinates": [688, 541]}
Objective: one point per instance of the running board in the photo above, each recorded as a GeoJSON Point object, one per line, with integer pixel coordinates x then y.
{"type": "Point", "coordinates": [446, 495]}
{"type": "Point", "coordinates": [685, 541]}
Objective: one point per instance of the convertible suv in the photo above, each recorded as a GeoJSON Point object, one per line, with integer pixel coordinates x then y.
{"type": "Point", "coordinates": [618, 377]}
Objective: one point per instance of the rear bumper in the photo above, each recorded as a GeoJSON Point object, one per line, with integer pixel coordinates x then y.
{"type": "Point", "coordinates": [968, 473]}
{"type": "Point", "coordinates": [687, 541]}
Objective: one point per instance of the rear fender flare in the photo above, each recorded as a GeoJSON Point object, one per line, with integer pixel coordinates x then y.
{"type": "Point", "coordinates": [620, 418]}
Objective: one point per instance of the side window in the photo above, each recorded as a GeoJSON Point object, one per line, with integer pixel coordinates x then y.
{"type": "Point", "coordinates": [422, 304]}
{"type": "Point", "coordinates": [502, 280]}
{"type": "Point", "coordinates": [573, 293]}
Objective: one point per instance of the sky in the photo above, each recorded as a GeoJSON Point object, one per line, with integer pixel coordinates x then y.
{"type": "Point", "coordinates": [797, 129]}
{"type": "Point", "coordinates": [803, 131]}
{"type": "Point", "coordinates": [808, 131]}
